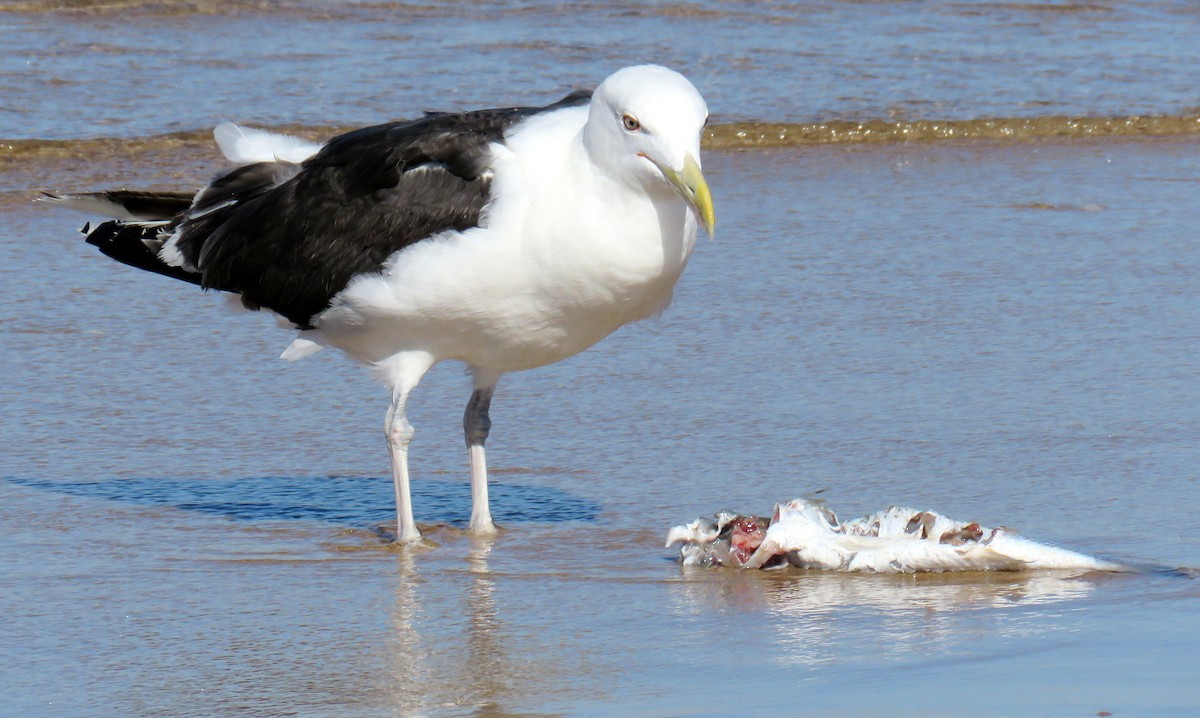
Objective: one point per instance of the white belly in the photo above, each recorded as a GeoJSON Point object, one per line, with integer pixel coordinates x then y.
{"type": "Point", "coordinates": [509, 302]}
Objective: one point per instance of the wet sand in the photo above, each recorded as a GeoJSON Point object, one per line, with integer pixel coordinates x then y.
{"type": "Point", "coordinates": [1004, 331]}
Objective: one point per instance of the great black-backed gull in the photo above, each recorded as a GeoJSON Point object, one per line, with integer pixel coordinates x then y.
{"type": "Point", "coordinates": [506, 239]}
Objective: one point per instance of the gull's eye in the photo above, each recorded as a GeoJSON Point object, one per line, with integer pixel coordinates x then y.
{"type": "Point", "coordinates": [631, 123]}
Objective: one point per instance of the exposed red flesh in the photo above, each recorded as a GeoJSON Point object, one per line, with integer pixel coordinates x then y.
{"type": "Point", "coordinates": [748, 532]}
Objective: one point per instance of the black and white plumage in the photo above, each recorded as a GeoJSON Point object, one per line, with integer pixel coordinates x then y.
{"type": "Point", "coordinates": [506, 239]}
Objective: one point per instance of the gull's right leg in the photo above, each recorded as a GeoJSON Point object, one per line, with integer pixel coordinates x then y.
{"type": "Point", "coordinates": [402, 373]}
{"type": "Point", "coordinates": [399, 435]}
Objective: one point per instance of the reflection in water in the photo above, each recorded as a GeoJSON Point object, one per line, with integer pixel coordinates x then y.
{"type": "Point", "coordinates": [486, 677]}
{"type": "Point", "coordinates": [408, 655]}
{"type": "Point", "coordinates": [447, 650]}
{"type": "Point", "coordinates": [817, 617]}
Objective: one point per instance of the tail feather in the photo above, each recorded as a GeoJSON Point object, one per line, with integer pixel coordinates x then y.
{"type": "Point", "coordinates": [166, 232]}
{"type": "Point", "coordinates": [137, 246]}
{"type": "Point", "coordinates": [136, 233]}
{"type": "Point", "coordinates": [127, 205]}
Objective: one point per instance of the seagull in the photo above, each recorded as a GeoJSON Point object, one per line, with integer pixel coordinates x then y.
{"type": "Point", "coordinates": [506, 239]}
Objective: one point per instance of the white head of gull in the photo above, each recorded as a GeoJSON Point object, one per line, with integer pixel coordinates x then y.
{"type": "Point", "coordinates": [506, 239]}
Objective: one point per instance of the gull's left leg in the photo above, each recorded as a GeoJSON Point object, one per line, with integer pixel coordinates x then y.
{"type": "Point", "coordinates": [476, 424]}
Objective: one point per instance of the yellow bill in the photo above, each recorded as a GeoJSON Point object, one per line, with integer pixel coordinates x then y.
{"type": "Point", "coordinates": [690, 184]}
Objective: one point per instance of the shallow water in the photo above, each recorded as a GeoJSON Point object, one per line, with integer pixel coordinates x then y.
{"type": "Point", "coordinates": [133, 69]}
{"type": "Point", "coordinates": [998, 331]}
{"type": "Point", "coordinates": [192, 525]}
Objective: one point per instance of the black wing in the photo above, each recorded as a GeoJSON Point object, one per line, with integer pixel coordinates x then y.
{"type": "Point", "coordinates": [289, 237]}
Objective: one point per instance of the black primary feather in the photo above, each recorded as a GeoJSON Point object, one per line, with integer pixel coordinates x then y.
{"type": "Point", "coordinates": [289, 237]}
{"type": "Point", "coordinates": [135, 245]}
{"type": "Point", "coordinates": [147, 206]}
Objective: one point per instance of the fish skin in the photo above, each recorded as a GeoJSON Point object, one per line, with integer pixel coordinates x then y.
{"type": "Point", "coordinates": [895, 540]}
